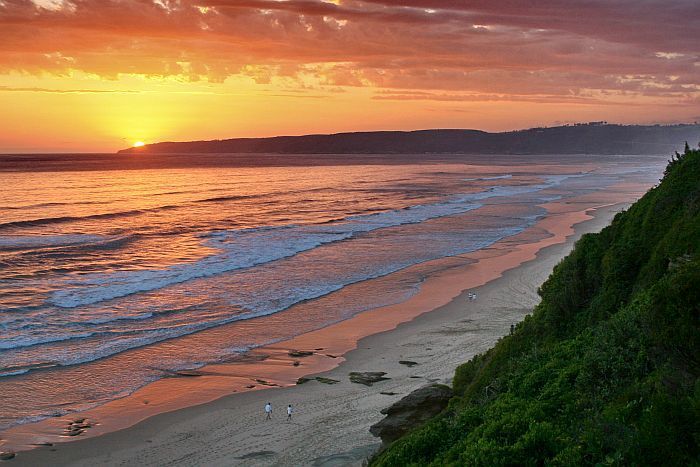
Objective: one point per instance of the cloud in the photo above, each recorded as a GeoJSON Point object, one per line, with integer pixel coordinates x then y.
{"type": "Point", "coordinates": [648, 22]}
{"type": "Point", "coordinates": [547, 50]}
{"type": "Point", "coordinates": [460, 97]}
{"type": "Point", "coordinates": [66, 91]}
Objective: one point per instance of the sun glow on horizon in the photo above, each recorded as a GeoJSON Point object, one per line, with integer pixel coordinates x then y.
{"type": "Point", "coordinates": [201, 72]}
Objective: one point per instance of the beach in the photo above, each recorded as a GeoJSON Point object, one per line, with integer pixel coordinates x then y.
{"type": "Point", "coordinates": [287, 233]}
{"type": "Point", "coordinates": [332, 416]}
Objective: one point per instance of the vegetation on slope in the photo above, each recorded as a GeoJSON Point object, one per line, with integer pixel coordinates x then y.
{"type": "Point", "coordinates": [605, 370]}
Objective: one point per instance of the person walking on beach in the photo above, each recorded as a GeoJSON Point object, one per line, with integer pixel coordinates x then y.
{"type": "Point", "coordinates": [268, 411]}
{"type": "Point", "coordinates": [289, 413]}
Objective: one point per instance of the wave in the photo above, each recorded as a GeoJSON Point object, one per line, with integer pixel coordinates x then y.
{"type": "Point", "coordinates": [48, 205]}
{"type": "Point", "coordinates": [80, 329]}
{"type": "Point", "coordinates": [245, 248]}
{"type": "Point", "coordinates": [66, 219]}
{"type": "Point", "coordinates": [6, 372]}
{"type": "Point", "coordinates": [21, 242]}
{"type": "Point", "coordinates": [42, 221]}
{"type": "Point", "coordinates": [219, 199]}
{"type": "Point", "coordinates": [22, 369]}
{"type": "Point", "coordinates": [119, 318]}
{"type": "Point", "coordinates": [495, 177]}
{"type": "Point", "coordinates": [114, 341]}
{"type": "Point", "coordinates": [123, 340]}
{"type": "Point", "coordinates": [106, 341]}
{"type": "Point", "coordinates": [20, 342]}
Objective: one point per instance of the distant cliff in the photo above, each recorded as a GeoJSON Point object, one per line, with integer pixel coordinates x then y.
{"type": "Point", "coordinates": [591, 138]}
{"type": "Point", "coordinates": [605, 370]}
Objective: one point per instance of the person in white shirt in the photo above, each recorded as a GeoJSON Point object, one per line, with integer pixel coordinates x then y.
{"type": "Point", "coordinates": [268, 411]}
{"type": "Point", "coordinates": [289, 412]}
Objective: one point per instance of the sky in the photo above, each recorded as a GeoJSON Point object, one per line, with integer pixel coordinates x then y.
{"type": "Point", "coordinates": [100, 75]}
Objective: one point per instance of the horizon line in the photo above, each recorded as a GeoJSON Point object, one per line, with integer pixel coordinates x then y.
{"type": "Point", "coordinates": [415, 130]}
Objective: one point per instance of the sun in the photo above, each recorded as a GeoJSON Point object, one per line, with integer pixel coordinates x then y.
{"type": "Point", "coordinates": [138, 144]}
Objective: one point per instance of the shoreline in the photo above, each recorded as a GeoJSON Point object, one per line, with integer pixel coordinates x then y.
{"type": "Point", "coordinates": [339, 348]}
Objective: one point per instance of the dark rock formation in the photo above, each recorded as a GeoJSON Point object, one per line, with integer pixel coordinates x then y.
{"type": "Point", "coordinates": [367, 377]}
{"type": "Point", "coordinates": [177, 373]}
{"type": "Point", "coordinates": [408, 363]}
{"type": "Point", "coordinates": [320, 379]}
{"type": "Point", "coordinates": [77, 427]}
{"type": "Point", "coordinates": [257, 455]}
{"type": "Point", "coordinates": [323, 380]}
{"type": "Point", "coordinates": [266, 383]}
{"type": "Point", "coordinates": [411, 412]}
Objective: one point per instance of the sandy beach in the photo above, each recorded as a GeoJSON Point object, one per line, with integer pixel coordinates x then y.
{"type": "Point", "coordinates": [332, 416]}
{"type": "Point", "coordinates": [343, 208]}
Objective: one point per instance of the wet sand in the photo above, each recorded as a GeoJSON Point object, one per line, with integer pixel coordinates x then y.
{"type": "Point", "coordinates": [331, 421]}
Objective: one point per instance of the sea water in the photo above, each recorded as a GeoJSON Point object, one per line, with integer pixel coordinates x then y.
{"type": "Point", "coordinates": [113, 268]}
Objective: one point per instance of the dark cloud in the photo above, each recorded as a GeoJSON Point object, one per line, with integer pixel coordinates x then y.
{"type": "Point", "coordinates": [566, 50]}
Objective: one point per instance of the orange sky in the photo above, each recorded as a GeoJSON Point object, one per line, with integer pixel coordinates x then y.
{"type": "Point", "coordinates": [98, 75]}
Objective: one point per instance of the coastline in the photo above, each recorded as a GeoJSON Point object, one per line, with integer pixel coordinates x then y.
{"type": "Point", "coordinates": [229, 429]}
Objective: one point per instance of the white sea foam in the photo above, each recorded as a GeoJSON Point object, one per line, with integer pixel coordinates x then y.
{"type": "Point", "coordinates": [13, 372]}
{"type": "Point", "coordinates": [495, 177]}
{"type": "Point", "coordinates": [244, 248]}
{"type": "Point", "coordinates": [239, 249]}
{"type": "Point", "coordinates": [114, 340]}
{"type": "Point", "coordinates": [29, 341]}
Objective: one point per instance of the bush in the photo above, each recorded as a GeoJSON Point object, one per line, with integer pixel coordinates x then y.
{"type": "Point", "coordinates": [605, 370]}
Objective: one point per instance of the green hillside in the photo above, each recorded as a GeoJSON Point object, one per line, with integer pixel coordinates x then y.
{"type": "Point", "coordinates": [605, 370]}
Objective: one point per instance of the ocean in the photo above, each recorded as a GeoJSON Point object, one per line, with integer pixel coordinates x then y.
{"type": "Point", "coordinates": [115, 269]}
